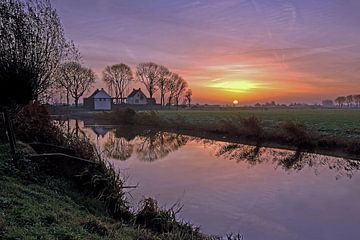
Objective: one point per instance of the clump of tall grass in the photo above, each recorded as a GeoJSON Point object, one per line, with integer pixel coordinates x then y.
{"type": "Point", "coordinates": [295, 133]}
{"type": "Point", "coordinates": [164, 222]}
{"type": "Point", "coordinates": [252, 127]}
{"type": "Point", "coordinates": [149, 118]}
{"type": "Point", "coordinates": [106, 184]}
{"type": "Point", "coordinates": [125, 116]}
{"type": "Point", "coordinates": [353, 147]}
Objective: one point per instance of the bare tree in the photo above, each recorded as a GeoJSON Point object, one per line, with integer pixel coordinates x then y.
{"type": "Point", "coordinates": [148, 74]}
{"type": "Point", "coordinates": [172, 87]}
{"type": "Point", "coordinates": [181, 86]}
{"type": "Point", "coordinates": [163, 78]}
{"type": "Point", "coordinates": [176, 86]}
{"type": "Point", "coordinates": [32, 44]}
{"type": "Point", "coordinates": [357, 100]}
{"type": "Point", "coordinates": [75, 79]}
{"type": "Point", "coordinates": [188, 97]}
{"type": "Point", "coordinates": [340, 101]}
{"type": "Point", "coordinates": [117, 78]}
{"type": "Point", "coordinates": [349, 100]}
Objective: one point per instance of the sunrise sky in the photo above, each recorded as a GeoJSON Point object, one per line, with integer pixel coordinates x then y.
{"type": "Point", "coordinates": [250, 50]}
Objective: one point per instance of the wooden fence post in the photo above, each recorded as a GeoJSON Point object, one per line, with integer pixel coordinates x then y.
{"type": "Point", "coordinates": [10, 134]}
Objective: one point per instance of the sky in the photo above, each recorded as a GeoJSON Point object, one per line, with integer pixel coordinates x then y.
{"type": "Point", "coordinates": [249, 50]}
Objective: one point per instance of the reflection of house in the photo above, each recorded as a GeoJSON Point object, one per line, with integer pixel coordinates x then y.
{"type": "Point", "coordinates": [137, 97]}
{"type": "Point", "coordinates": [99, 130]}
{"type": "Point", "coordinates": [99, 100]}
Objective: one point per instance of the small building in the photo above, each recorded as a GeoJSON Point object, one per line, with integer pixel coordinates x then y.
{"type": "Point", "coordinates": [100, 100]}
{"type": "Point", "coordinates": [137, 97]}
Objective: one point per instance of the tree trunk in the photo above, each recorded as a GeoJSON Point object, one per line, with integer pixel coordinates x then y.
{"type": "Point", "coordinates": [162, 99]}
{"type": "Point", "coordinates": [76, 102]}
{"type": "Point", "coordinates": [67, 97]}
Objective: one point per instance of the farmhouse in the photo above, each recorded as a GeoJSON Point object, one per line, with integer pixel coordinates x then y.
{"type": "Point", "coordinates": [98, 101]}
{"type": "Point", "coordinates": [137, 97]}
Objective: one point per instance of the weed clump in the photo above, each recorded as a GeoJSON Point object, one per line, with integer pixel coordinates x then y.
{"type": "Point", "coordinates": [252, 127]}
{"type": "Point", "coordinates": [164, 222]}
{"type": "Point", "coordinates": [105, 183]}
{"type": "Point", "coordinates": [150, 118]}
{"type": "Point", "coordinates": [295, 133]}
{"type": "Point", "coordinates": [125, 116]}
{"type": "Point", "coordinates": [96, 227]}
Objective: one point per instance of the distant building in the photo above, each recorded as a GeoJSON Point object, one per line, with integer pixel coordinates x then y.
{"type": "Point", "coordinates": [137, 97]}
{"type": "Point", "coordinates": [100, 100]}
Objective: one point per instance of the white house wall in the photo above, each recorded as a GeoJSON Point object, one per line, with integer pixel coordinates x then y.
{"type": "Point", "coordinates": [102, 104]}
{"type": "Point", "coordinates": [136, 99]}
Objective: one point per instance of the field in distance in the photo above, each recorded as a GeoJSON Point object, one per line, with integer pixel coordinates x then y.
{"type": "Point", "coordinates": [338, 122]}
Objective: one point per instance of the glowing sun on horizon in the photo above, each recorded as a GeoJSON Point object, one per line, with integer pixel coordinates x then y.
{"type": "Point", "coordinates": [235, 102]}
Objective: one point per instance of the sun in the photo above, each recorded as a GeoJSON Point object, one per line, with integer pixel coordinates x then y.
{"type": "Point", "coordinates": [235, 102]}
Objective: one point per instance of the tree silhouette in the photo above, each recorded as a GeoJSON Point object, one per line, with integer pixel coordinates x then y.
{"type": "Point", "coordinates": [357, 100]}
{"type": "Point", "coordinates": [32, 44]}
{"type": "Point", "coordinates": [340, 101]}
{"type": "Point", "coordinates": [75, 79]}
{"type": "Point", "coordinates": [176, 86]}
{"type": "Point", "coordinates": [117, 78]}
{"type": "Point", "coordinates": [164, 75]}
{"type": "Point", "coordinates": [188, 97]}
{"type": "Point", "coordinates": [148, 74]}
{"type": "Point", "coordinates": [349, 100]}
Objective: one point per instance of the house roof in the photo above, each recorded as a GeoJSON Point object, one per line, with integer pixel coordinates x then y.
{"type": "Point", "coordinates": [99, 91]}
{"type": "Point", "coordinates": [94, 93]}
{"type": "Point", "coordinates": [134, 91]}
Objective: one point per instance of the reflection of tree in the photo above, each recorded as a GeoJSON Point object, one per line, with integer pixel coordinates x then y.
{"type": "Point", "coordinates": [241, 152]}
{"type": "Point", "coordinates": [118, 148]}
{"type": "Point", "coordinates": [288, 160]}
{"type": "Point", "coordinates": [157, 145]}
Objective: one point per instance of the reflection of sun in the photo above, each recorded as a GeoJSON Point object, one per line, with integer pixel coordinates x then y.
{"type": "Point", "coordinates": [235, 101]}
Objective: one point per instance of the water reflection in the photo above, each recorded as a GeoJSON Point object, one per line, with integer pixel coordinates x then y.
{"type": "Point", "coordinates": [122, 143]}
{"type": "Point", "coordinates": [288, 160]}
{"type": "Point", "coordinates": [148, 146]}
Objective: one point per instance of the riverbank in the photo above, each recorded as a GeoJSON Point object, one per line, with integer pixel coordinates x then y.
{"type": "Point", "coordinates": [35, 205]}
{"type": "Point", "coordinates": [60, 188]}
{"type": "Point", "coordinates": [323, 131]}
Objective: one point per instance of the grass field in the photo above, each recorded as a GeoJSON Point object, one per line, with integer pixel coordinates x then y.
{"type": "Point", "coordinates": [338, 122]}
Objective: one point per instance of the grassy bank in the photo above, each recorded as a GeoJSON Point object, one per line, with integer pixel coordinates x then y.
{"type": "Point", "coordinates": [39, 206]}
{"type": "Point", "coordinates": [69, 192]}
{"type": "Point", "coordinates": [43, 207]}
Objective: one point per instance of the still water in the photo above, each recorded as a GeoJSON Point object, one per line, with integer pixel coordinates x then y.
{"type": "Point", "coordinates": [262, 193]}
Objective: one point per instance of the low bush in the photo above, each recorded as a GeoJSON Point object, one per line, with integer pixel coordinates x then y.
{"type": "Point", "coordinates": [149, 118]}
{"type": "Point", "coordinates": [295, 133]}
{"type": "Point", "coordinates": [164, 222]}
{"type": "Point", "coordinates": [33, 124]}
{"type": "Point", "coordinates": [105, 183]}
{"type": "Point", "coordinates": [252, 127]}
{"type": "Point", "coordinates": [353, 148]}
{"type": "Point", "coordinates": [123, 116]}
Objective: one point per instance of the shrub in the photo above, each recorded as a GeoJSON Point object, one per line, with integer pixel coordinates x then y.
{"type": "Point", "coordinates": [123, 116]}
{"type": "Point", "coordinates": [164, 221]}
{"type": "Point", "coordinates": [149, 118]}
{"type": "Point", "coordinates": [106, 184]}
{"type": "Point", "coordinates": [252, 127]}
{"type": "Point", "coordinates": [33, 124]}
{"type": "Point", "coordinates": [295, 133]}
{"type": "Point", "coordinates": [353, 147]}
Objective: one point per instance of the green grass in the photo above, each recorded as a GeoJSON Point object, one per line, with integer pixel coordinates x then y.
{"type": "Point", "coordinates": [51, 209]}
{"type": "Point", "coordinates": [43, 207]}
{"type": "Point", "coordinates": [336, 122]}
